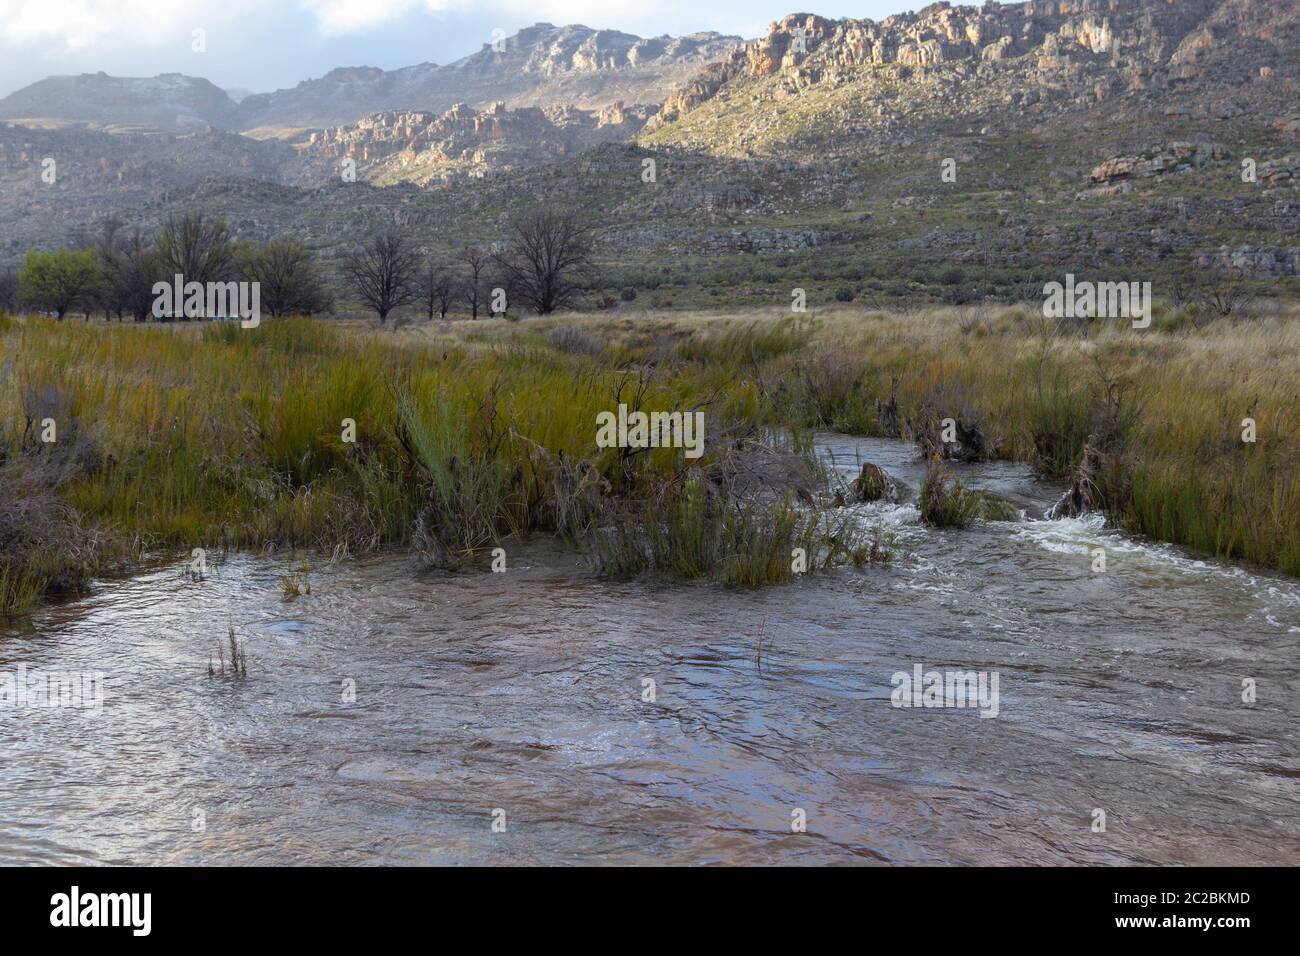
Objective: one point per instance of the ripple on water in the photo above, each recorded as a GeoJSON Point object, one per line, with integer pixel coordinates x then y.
{"type": "Point", "coordinates": [646, 722]}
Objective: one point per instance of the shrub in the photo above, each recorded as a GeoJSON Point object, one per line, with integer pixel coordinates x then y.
{"type": "Point", "coordinates": [45, 547]}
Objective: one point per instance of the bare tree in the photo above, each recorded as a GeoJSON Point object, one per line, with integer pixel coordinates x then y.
{"type": "Point", "coordinates": [135, 270]}
{"type": "Point", "coordinates": [196, 248]}
{"type": "Point", "coordinates": [8, 290]}
{"type": "Point", "coordinates": [105, 243]}
{"type": "Point", "coordinates": [1225, 293]}
{"type": "Point", "coordinates": [382, 273]}
{"type": "Point", "coordinates": [549, 253]}
{"type": "Point", "coordinates": [437, 288]}
{"type": "Point", "coordinates": [288, 280]}
{"type": "Point", "coordinates": [476, 261]}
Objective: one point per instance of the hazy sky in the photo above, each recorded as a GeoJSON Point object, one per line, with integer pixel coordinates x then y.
{"type": "Point", "coordinates": [267, 44]}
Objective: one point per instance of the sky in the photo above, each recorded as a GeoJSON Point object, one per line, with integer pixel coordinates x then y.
{"type": "Point", "coordinates": [261, 45]}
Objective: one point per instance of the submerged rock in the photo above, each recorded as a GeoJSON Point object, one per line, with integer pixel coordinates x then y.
{"type": "Point", "coordinates": [996, 508]}
{"type": "Point", "coordinates": [871, 485]}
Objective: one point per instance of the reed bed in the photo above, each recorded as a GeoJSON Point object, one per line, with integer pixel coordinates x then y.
{"type": "Point", "coordinates": [307, 434]}
{"type": "Point", "coordinates": [181, 436]}
{"type": "Point", "coordinates": [1169, 404]}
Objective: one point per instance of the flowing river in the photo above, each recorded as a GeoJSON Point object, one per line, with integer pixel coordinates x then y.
{"type": "Point", "coordinates": [509, 719]}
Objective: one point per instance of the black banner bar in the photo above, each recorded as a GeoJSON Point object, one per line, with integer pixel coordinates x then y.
{"type": "Point", "coordinates": [335, 906]}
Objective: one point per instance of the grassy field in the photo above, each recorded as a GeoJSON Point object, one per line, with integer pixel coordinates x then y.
{"type": "Point", "coordinates": [466, 434]}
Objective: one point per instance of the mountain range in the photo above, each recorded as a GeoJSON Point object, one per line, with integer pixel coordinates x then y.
{"type": "Point", "coordinates": [952, 152]}
{"type": "Point", "coordinates": [542, 65]}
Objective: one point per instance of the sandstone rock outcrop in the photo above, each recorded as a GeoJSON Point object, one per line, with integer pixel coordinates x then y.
{"type": "Point", "coordinates": [422, 147]}
{"type": "Point", "coordinates": [1094, 48]}
{"type": "Point", "coordinates": [1159, 161]}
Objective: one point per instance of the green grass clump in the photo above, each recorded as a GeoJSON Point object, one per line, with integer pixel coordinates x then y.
{"type": "Point", "coordinates": [1058, 418]}
{"type": "Point", "coordinates": [20, 589]}
{"type": "Point", "coordinates": [693, 532]}
{"type": "Point", "coordinates": [945, 504]}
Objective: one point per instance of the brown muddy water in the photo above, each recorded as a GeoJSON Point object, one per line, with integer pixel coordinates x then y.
{"type": "Point", "coordinates": [523, 692]}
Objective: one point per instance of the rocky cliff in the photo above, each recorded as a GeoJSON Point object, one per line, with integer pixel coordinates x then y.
{"type": "Point", "coordinates": [543, 65]}
{"type": "Point", "coordinates": [462, 143]}
{"type": "Point", "coordinates": [1074, 52]}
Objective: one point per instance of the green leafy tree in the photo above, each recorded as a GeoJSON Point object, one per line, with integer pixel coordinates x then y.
{"type": "Point", "coordinates": [60, 281]}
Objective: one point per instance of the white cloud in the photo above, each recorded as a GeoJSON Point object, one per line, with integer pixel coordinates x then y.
{"type": "Point", "coordinates": [340, 17]}
{"type": "Point", "coordinates": [335, 17]}
{"type": "Point", "coordinates": [74, 23]}
{"type": "Point", "coordinates": [81, 24]}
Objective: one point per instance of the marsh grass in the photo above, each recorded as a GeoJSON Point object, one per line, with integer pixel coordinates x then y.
{"type": "Point", "coordinates": [179, 436]}
{"type": "Point", "coordinates": [21, 588]}
{"type": "Point", "coordinates": [574, 341]}
{"type": "Point", "coordinates": [747, 344]}
{"type": "Point", "coordinates": [1058, 419]}
{"type": "Point", "coordinates": [1168, 406]}
{"type": "Point", "coordinates": [877, 548]}
{"type": "Point", "coordinates": [231, 659]}
{"type": "Point", "coordinates": [45, 545]}
{"type": "Point", "coordinates": [693, 532]}
{"type": "Point", "coordinates": [220, 436]}
{"type": "Point", "coordinates": [295, 581]}
{"type": "Point", "coordinates": [947, 503]}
